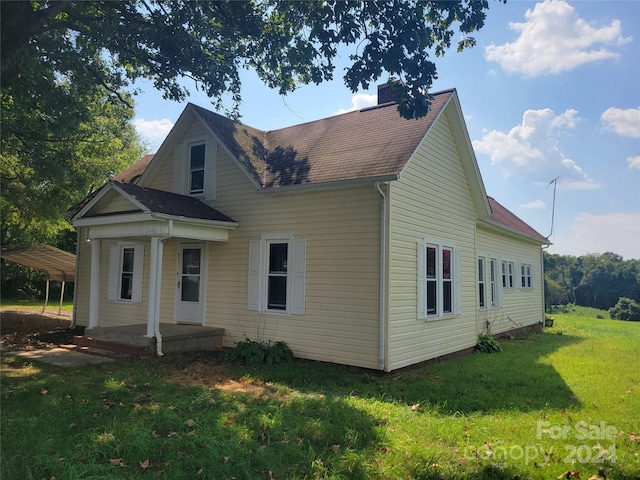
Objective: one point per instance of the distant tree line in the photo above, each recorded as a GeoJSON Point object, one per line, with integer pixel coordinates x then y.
{"type": "Point", "coordinates": [594, 280]}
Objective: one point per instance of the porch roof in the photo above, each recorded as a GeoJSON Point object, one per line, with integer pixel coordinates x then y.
{"type": "Point", "coordinates": [151, 212]}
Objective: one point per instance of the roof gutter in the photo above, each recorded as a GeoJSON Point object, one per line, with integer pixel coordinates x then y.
{"type": "Point", "coordinates": [330, 184]}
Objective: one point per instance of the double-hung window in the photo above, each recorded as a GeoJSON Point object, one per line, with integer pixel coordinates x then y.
{"type": "Point", "coordinates": [507, 275]}
{"type": "Point", "coordinates": [482, 291]}
{"type": "Point", "coordinates": [525, 276]}
{"type": "Point", "coordinates": [196, 169]}
{"type": "Point", "coordinates": [437, 280]}
{"type": "Point", "coordinates": [125, 272]}
{"type": "Point", "coordinates": [195, 165]}
{"type": "Point", "coordinates": [277, 266]}
{"type": "Point", "coordinates": [277, 275]}
{"type": "Point", "coordinates": [493, 285]}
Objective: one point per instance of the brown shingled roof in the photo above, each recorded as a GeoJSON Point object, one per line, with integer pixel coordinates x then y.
{"type": "Point", "coordinates": [135, 171]}
{"type": "Point", "coordinates": [369, 143]}
{"type": "Point", "coordinates": [504, 217]}
{"type": "Point", "coordinates": [159, 201]}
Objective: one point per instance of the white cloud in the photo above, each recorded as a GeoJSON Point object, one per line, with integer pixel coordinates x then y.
{"type": "Point", "coordinates": [634, 162]}
{"type": "Point", "coordinates": [617, 232]}
{"type": "Point", "coordinates": [535, 205]}
{"type": "Point", "coordinates": [533, 147]}
{"type": "Point", "coordinates": [360, 101]}
{"type": "Point", "coordinates": [623, 122]}
{"type": "Point", "coordinates": [153, 129]}
{"type": "Point", "coordinates": [555, 39]}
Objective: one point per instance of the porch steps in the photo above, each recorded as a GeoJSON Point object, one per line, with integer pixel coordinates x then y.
{"type": "Point", "coordinates": [122, 350]}
{"type": "Point", "coordinates": [98, 352]}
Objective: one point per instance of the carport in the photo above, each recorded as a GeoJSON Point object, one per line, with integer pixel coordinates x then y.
{"type": "Point", "coordinates": [55, 264]}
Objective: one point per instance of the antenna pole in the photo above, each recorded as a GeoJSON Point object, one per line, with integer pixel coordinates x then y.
{"type": "Point", "coordinates": [553, 206]}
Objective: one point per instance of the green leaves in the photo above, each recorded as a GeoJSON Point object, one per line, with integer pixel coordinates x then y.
{"type": "Point", "coordinates": [287, 43]}
{"type": "Point", "coordinates": [253, 352]}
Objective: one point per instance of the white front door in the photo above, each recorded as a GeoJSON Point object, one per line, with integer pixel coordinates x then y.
{"type": "Point", "coordinates": [191, 283]}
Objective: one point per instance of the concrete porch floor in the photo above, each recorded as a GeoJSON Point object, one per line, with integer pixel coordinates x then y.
{"type": "Point", "coordinates": [175, 338]}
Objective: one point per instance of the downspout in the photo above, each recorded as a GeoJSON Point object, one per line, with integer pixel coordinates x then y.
{"type": "Point", "coordinates": [383, 279]}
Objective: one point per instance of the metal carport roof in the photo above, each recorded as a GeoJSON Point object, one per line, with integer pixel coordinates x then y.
{"type": "Point", "coordinates": [56, 264]}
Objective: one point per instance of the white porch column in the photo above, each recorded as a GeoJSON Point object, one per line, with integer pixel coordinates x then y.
{"type": "Point", "coordinates": [94, 286]}
{"type": "Point", "coordinates": [155, 285]}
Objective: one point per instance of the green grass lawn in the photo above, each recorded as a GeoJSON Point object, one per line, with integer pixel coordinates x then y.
{"type": "Point", "coordinates": [31, 305]}
{"type": "Point", "coordinates": [565, 401]}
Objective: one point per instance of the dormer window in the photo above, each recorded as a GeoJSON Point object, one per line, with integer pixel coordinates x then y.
{"type": "Point", "coordinates": [195, 165]}
{"type": "Point", "coordinates": [196, 169]}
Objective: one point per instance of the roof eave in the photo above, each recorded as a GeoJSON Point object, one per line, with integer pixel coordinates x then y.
{"type": "Point", "coordinates": [330, 184]}
{"type": "Point", "coordinates": [492, 224]}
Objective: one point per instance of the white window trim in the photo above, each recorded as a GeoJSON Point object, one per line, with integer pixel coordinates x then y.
{"type": "Point", "coordinates": [182, 167]}
{"type": "Point", "coordinates": [494, 284]}
{"type": "Point", "coordinates": [259, 272]}
{"type": "Point", "coordinates": [509, 263]}
{"type": "Point", "coordinates": [527, 276]}
{"type": "Point", "coordinates": [481, 279]}
{"type": "Point", "coordinates": [456, 304]}
{"type": "Point", "coordinates": [115, 272]}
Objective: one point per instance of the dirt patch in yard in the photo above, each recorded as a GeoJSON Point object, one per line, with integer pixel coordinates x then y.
{"type": "Point", "coordinates": [30, 329]}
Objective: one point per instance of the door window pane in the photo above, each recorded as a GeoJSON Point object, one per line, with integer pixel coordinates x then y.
{"type": "Point", "coordinates": [191, 274]}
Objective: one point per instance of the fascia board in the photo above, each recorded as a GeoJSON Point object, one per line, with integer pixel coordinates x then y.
{"type": "Point", "coordinates": [469, 161]}
{"type": "Point", "coordinates": [112, 219]}
{"type": "Point", "coordinates": [106, 188]}
{"type": "Point", "coordinates": [328, 185]}
{"type": "Point", "coordinates": [166, 147]}
{"type": "Point", "coordinates": [196, 221]}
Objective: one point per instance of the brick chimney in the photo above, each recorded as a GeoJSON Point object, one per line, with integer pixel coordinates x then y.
{"type": "Point", "coordinates": [385, 94]}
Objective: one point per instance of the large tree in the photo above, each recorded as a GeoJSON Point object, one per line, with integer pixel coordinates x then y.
{"type": "Point", "coordinates": [287, 43]}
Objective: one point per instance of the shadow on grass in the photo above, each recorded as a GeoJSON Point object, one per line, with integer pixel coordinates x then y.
{"type": "Point", "coordinates": [132, 420]}
{"type": "Point", "coordinates": [519, 378]}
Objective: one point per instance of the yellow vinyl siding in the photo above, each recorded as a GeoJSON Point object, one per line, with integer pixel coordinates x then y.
{"type": "Point", "coordinates": [113, 202]}
{"type": "Point", "coordinates": [431, 200]}
{"type": "Point", "coordinates": [520, 306]}
{"type": "Point", "coordinates": [341, 227]}
{"type": "Point", "coordinates": [116, 313]}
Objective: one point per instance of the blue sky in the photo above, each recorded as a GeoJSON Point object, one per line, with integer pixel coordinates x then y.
{"type": "Point", "coordinates": [552, 89]}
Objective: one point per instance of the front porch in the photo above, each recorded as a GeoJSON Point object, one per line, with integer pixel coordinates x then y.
{"type": "Point", "coordinates": [132, 339]}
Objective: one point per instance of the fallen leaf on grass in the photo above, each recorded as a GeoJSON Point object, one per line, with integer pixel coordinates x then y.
{"type": "Point", "coordinates": [634, 437]}
{"type": "Point", "coordinates": [116, 462]}
{"type": "Point", "coordinates": [335, 448]}
{"type": "Point", "coordinates": [146, 464]}
{"type": "Point", "coordinates": [569, 474]}
{"type": "Point", "coordinates": [44, 391]}
{"type": "Point", "coordinates": [229, 421]}
{"type": "Point", "coordinates": [73, 425]}
{"type": "Point", "coordinates": [190, 422]}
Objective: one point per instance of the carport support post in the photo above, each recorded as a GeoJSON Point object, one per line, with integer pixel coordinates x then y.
{"type": "Point", "coordinates": [61, 297]}
{"type": "Point", "coordinates": [46, 296]}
